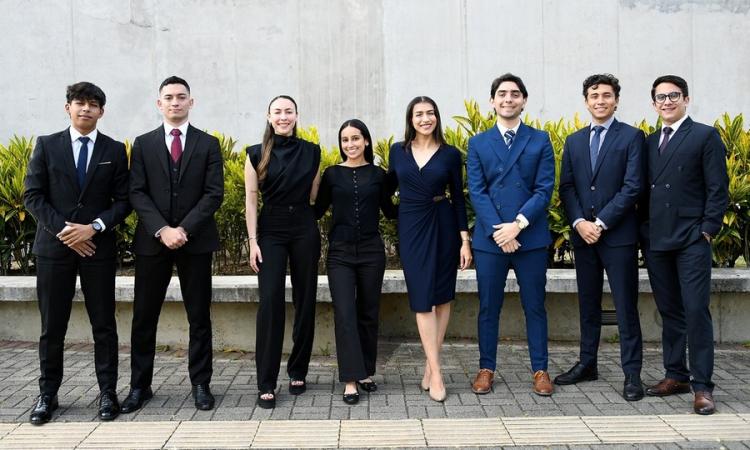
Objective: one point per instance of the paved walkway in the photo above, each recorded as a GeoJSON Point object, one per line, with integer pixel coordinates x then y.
{"type": "Point", "coordinates": [398, 415]}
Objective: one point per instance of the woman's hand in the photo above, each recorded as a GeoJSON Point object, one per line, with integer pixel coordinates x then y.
{"type": "Point", "coordinates": [465, 260]}
{"type": "Point", "coordinates": [255, 257]}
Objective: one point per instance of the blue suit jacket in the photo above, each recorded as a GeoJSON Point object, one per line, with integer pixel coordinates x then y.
{"type": "Point", "coordinates": [609, 192]}
{"type": "Point", "coordinates": [506, 182]}
{"type": "Point", "coordinates": [688, 186]}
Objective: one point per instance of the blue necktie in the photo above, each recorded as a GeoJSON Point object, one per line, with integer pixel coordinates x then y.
{"type": "Point", "coordinates": [83, 157]}
{"type": "Point", "coordinates": [595, 145]}
{"type": "Point", "coordinates": [509, 135]}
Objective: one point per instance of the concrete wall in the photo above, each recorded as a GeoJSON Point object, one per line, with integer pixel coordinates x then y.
{"type": "Point", "coordinates": [360, 58]}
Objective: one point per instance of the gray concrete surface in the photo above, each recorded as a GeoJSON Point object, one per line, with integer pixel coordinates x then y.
{"type": "Point", "coordinates": [360, 58]}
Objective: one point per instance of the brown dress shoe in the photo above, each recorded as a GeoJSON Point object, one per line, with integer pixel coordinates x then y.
{"type": "Point", "coordinates": [704, 403]}
{"type": "Point", "coordinates": [483, 381]}
{"type": "Point", "coordinates": [668, 386]}
{"type": "Point", "coordinates": [542, 383]}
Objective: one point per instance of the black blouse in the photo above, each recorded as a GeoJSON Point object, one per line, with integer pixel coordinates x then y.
{"type": "Point", "coordinates": [357, 193]}
{"type": "Point", "coordinates": [291, 171]}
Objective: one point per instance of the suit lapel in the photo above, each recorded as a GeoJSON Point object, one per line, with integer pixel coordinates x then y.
{"type": "Point", "coordinates": [609, 138]}
{"type": "Point", "coordinates": [582, 149]}
{"type": "Point", "coordinates": [191, 140]}
{"type": "Point", "coordinates": [663, 160]}
{"type": "Point", "coordinates": [66, 149]}
{"type": "Point", "coordinates": [159, 146]}
{"type": "Point", "coordinates": [96, 158]}
{"type": "Point", "coordinates": [519, 143]}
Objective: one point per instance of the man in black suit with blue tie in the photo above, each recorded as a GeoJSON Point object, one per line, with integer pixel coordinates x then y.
{"type": "Point", "coordinates": [600, 183]}
{"type": "Point", "coordinates": [688, 195]}
{"type": "Point", "coordinates": [77, 189]}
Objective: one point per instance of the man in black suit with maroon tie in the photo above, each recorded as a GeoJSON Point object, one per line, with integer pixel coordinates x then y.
{"type": "Point", "coordinates": [77, 189]}
{"type": "Point", "coordinates": [176, 186]}
{"type": "Point", "coordinates": [688, 194]}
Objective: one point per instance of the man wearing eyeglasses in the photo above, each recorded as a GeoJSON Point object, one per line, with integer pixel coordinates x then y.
{"type": "Point", "coordinates": [688, 194]}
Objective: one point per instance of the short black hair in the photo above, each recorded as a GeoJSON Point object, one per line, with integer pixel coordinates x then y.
{"type": "Point", "coordinates": [674, 79]}
{"type": "Point", "coordinates": [85, 91]}
{"type": "Point", "coordinates": [508, 77]}
{"type": "Point", "coordinates": [601, 78]}
{"type": "Point", "coordinates": [174, 80]}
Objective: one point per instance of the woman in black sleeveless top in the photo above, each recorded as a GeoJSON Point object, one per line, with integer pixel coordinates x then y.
{"type": "Point", "coordinates": [357, 190]}
{"type": "Point", "coordinates": [285, 168]}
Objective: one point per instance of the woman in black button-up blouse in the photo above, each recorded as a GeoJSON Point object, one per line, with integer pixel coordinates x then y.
{"type": "Point", "coordinates": [357, 189]}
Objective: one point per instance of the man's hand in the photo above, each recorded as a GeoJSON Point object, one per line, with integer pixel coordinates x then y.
{"type": "Point", "coordinates": [84, 249]}
{"type": "Point", "coordinates": [511, 246]}
{"type": "Point", "coordinates": [505, 232]}
{"type": "Point", "coordinates": [173, 238]}
{"type": "Point", "coordinates": [75, 233]}
{"type": "Point", "coordinates": [588, 231]}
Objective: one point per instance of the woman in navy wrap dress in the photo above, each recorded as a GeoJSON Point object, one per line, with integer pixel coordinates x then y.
{"type": "Point", "coordinates": [432, 228]}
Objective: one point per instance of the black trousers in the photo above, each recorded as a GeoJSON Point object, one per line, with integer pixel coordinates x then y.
{"type": "Point", "coordinates": [681, 283]}
{"type": "Point", "coordinates": [286, 234]}
{"type": "Point", "coordinates": [355, 278]}
{"type": "Point", "coordinates": [152, 276]}
{"type": "Point", "coordinates": [55, 284]}
{"type": "Point", "coordinates": [621, 265]}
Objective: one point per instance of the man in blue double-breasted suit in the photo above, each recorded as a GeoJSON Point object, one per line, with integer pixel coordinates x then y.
{"type": "Point", "coordinates": [600, 183]}
{"type": "Point", "coordinates": [511, 173]}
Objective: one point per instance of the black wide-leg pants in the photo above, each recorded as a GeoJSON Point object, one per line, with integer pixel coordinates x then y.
{"type": "Point", "coordinates": [286, 234]}
{"type": "Point", "coordinates": [355, 277]}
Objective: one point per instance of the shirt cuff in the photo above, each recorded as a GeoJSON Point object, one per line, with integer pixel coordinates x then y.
{"type": "Point", "coordinates": [100, 222]}
{"type": "Point", "coordinates": [600, 223]}
{"type": "Point", "coordinates": [524, 221]}
{"type": "Point", "coordinates": [157, 235]}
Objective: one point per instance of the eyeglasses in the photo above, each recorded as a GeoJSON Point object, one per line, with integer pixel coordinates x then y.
{"type": "Point", "coordinates": [673, 96]}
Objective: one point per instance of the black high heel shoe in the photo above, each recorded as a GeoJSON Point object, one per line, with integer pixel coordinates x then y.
{"type": "Point", "coordinates": [368, 386]}
{"type": "Point", "coordinates": [267, 403]}
{"type": "Point", "coordinates": [351, 399]}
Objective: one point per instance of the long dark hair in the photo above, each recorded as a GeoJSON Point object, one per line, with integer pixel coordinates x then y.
{"type": "Point", "coordinates": [358, 124]}
{"type": "Point", "coordinates": [410, 132]}
{"type": "Point", "coordinates": [267, 145]}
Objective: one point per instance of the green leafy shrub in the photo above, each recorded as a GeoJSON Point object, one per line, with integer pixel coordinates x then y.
{"type": "Point", "coordinates": [17, 227]}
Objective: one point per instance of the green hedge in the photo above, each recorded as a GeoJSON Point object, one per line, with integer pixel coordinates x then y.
{"type": "Point", "coordinates": [17, 226]}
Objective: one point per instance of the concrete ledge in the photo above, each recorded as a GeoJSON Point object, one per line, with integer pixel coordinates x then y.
{"type": "Point", "coordinates": [235, 306]}
{"type": "Point", "coordinates": [244, 289]}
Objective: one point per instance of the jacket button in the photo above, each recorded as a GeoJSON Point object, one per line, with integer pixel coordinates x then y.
{"type": "Point", "coordinates": [593, 188]}
{"type": "Point", "coordinates": [174, 194]}
{"type": "Point", "coordinates": [666, 205]}
{"type": "Point", "coordinates": [667, 186]}
{"type": "Point", "coordinates": [500, 186]}
{"type": "Point", "coordinates": [653, 186]}
{"type": "Point", "coordinates": [79, 206]}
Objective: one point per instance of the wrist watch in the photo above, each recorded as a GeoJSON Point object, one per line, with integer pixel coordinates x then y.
{"type": "Point", "coordinates": [521, 224]}
{"type": "Point", "coordinates": [96, 226]}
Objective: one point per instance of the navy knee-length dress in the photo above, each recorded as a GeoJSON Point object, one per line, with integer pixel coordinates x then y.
{"type": "Point", "coordinates": [429, 222]}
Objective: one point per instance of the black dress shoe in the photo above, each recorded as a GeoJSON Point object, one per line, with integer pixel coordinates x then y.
{"type": "Point", "coordinates": [109, 407]}
{"type": "Point", "coordinates": [42, 413]}
{"type": "Point", "coordinates": [204, 400]}
{"type": "Point", "coordinates": [578, 373]}
{"type": "Point", "coordinates": [370, 386]}
{"type": "Point", "coordinates": [134, 400]}
{"type": "Point", "coordinates": [632, 391]}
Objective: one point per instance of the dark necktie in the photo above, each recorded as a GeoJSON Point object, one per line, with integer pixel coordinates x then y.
{"type": "Point", "coordinates": [83, 156]}
{"type": "Point", "coordinates": [176, 149]}
{"type": "Point", "coordinates": [595, 141]}
{"type": "Point", "coordinates": [509, 135]}
{"type": "Point", "coordinates": [667, 131]}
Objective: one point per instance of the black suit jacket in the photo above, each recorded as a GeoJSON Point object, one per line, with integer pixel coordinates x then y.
{"type": "Point", "coordinates": [688, 186]}
{"type": "Point", "coordinates": [53, 196]}
{"type": "Point", "coordinates": [609, 192]}
{"type": "Point", "coordinates": [198, 196]}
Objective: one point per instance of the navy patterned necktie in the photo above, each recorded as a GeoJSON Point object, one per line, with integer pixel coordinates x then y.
{"type": "Point", "coordinates": [83, 156]}
{"type": "Point", "coordinates": [667, 132]}
{"type": "Point", "coordinates": [509, 135]}
{"type": "Point", "coordinates": [595, 143]}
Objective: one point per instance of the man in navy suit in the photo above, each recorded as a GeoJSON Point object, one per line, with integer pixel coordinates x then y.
{"type": "Point", "coordinates": [687, 178]}
{"type": "Point", "coordinates": [600, 184]}
{"type": "Point", "coordinates": [511, 174]}
{"type": "Point", "coordinates": [77, 189]}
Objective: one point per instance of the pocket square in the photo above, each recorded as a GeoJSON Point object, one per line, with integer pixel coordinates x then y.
{"type": "Point", "coordinates": [104, 162]}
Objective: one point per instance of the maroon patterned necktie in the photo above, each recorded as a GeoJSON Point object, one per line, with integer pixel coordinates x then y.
{"type": "Point", "coordinates": [176, 149]}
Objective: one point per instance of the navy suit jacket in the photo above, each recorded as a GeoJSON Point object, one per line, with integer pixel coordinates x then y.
{"type": "Point", "coordinates": [688, 186]}
{"type": "Point", "coordinates": [506, 182]}
{"type": "Point", "coordinates": [198, 195]}
{"type": "Point", "coordinates": [53, 196]}
{"type": "Point", "coordinates": [610, 192]}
